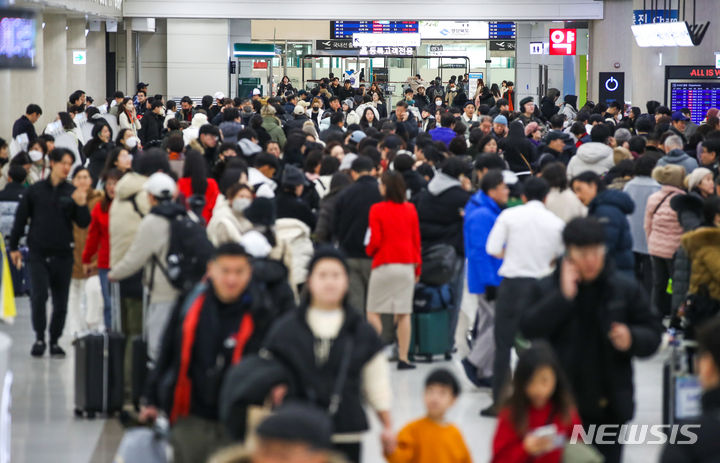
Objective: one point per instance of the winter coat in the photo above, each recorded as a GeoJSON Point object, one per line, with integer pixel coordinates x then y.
{"type": "Point", "coordinates": [296, 123]}
{"type": "Point", "coordinates": [601, 376]}
{"type": "Point", "coordinates": [97, 245]}
{"type": "Point", "coordinates": [323, 227]}
{"type": "Point", "coordinates": [662, 228]}
{"type": "Point", "coordinates": [124, 218]}
{"type": "Point", "coordinates": [351, 213]}
{"type": "Point", "coordinates": [394, 235]}
{"type": "Point", "coordinates": [443, 134]}
{"type": "Point", "coordinates": [152, 239]}
{"type": "Point", "coordinates": [272, 125]}
{"type": "Point", "coordinates": [440, 210]}
{"type": "Point", "coordinates": [703, 248]}
{"type": "Point", "coordinates": [297, 235]}
{"type": "Point", "coordinates": [23, 125]}
{"type": "Point", "coordinates": [689, 209]}
{"type": "Point", "coordinates": [226, 226]}
{"type": "Point", "coordinates": [565, 204]}
{"type": "Point", "coordinates": [151, 128]}
{"type": "Point", "coordinates": [568, 111]}
{"type": "Point", "coordinates": [124, 123]}
{"type": "Point", "coordinates": [97, 159]}
{"type": "Point", "coordinates": [680, 158]}
{"type": "Point", "coordinates": [548, 107]}
{"type": "Point", "coordinates": [212, 191]}
{"type": "Point", "coordinates": [611, 207]}
{"type": "Point", "coordinates": [414, 182]}
{"type": "Point", "coordinates": [351, 117]}
{"type": "Point", "coordinates": [481, 212]}
{"type": "Point", "coordinates": [230, 130]}
{"type": "Point", "coordinates": [291, 206]}
{"type": "Point", "coordinates": [595, 157]}
{"type": "Point", "coordinates": [640, 189]}
{"type": "Point", "coordinates": [80, 236]}
{"type": "Point", "coordinates": [292, 341]}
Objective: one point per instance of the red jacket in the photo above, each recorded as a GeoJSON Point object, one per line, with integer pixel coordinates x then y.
{"type": "Point", "coordinates": [394, 234]}
{"type": "Point", "coordinates": [211, 194]}
{"type": "Point", "coordinates": [98, 238]}
{"type": "Point", "coordinates": [508, 444]}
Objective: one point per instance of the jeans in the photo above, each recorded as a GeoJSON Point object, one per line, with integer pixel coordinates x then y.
{"type": "Point", "coordinates": [105, 287]}
{"type": "Point", "coordinates": [456, 288]}
{"type": "Point", "coordinates": [51, 274]}
{"type": "Point", "coordinates": [508, 308]}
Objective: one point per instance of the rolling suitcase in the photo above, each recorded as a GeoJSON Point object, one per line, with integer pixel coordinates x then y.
{"type": "Point", "coordinates": [431, 322]}
{"type": "Point", "coordinates": [99, 371]}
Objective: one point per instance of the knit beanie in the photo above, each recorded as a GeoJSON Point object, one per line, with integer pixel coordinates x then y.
{"type": "Point", "coordinates": [696, 177]}
{"type": "Point", "coordinates": [671, 174]}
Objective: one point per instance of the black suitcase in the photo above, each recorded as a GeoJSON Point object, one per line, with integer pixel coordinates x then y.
{"type": "Point", "coordinates": [99, 359]}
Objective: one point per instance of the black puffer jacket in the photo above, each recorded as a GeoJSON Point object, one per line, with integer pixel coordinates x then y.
{"type": "Point", "coordinates": [440, 212]}
{"type": "Point", "coordinates": [578, 331]}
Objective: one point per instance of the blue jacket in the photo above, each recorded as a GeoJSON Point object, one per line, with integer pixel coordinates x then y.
{"type": "Point", "coordinates": [611, 208]}
{"type": "Point", "coordinates": [443, 134]}
{"type": "Point", "coordinates": [482, 269]}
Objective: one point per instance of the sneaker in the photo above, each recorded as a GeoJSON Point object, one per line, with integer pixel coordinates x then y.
{"type": "Point", "coordinates": [56, 351]}
{"type": "Point", "coordinates": [38, 349]}
{"type": "Point", "coordinates": [490, 412]}
{"type": "Point", "coordinates": [405, 365]}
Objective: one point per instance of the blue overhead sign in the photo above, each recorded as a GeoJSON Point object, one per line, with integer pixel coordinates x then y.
{"type": "Point", "coordinates": [654, 16]}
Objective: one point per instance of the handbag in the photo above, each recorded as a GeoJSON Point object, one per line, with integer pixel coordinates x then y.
{"type": "Point", "coordinates": [581, 453]}
{"type": "Point", "coordinates": [439, 261]}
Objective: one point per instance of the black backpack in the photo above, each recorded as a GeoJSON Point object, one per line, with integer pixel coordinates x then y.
{"type": "Point", "coordinates": [189, 250]}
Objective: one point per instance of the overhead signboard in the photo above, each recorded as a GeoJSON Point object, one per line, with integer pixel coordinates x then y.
{"type": "Point", "coordinates": [563, 41]}
{"type": "Point", "coordinates": [692, 72]}
{"type": "Point", "coordinates": [501, 30]}
{"type": "Point", "coordinates": [386, 40]}
{"type": "Point", "coordinates": [346, 29]}
{"type": "Point", "coordinates": [387, 51]}
{"type": "Point", "coordinates": [502, 45]}
{"type": "Point", "coordinates": [469, 30]}
{"type": "Point", "coordinates": [654, 16]}
{"type": "Point", "coordinates": [612, 87]}
{"type": "Point", "coordinates": [334, 44]}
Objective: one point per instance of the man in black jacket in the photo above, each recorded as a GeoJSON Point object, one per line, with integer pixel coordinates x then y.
{"type": "Point", "coordinates": [597, 321]}
{"type": "Point", "coordinates": [51, 206]}
{"type": "Point", "coordinates": [25, 123]}
{"type": "Point", "coordinates": [229, 317]}
{"type": "Point", "coordinates": [152, 124]}
{"type": "Point", "coordinates": [350, 225]}
{"type": "Point", "coordinates": [288, 201]}
{"type": "Point", "coordinates": [407, 126]}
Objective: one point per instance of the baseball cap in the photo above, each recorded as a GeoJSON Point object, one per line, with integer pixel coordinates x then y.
{"type": "Point", "coordinates": [161, 186]}
{"type": "Point", "coordinates": [219, 95]}
{"type": "Point", "coordinates": [256, 91]}
{"type": "Point", "coordinates": [142, 85]}
{"type": "Point", "coordinates": [357, 136]}
{"type": "Point", "coordinates": [299, 109]}
{"type": "Point", "coordinates": [500, 120]}
{"type": "Point", "coordinates": [679, 116]}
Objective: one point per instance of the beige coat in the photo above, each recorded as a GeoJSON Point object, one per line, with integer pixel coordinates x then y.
{"type": "Point", "coordinates": [225, 225]}
{"type": "Point", "coordinates": [124, 220]}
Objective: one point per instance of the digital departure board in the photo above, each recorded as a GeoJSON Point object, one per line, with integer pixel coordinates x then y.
{"type": "Point", "coordinates": [698, 97]}
{"type": "Point", "coordinates": [345, 29]}
{"type": "Point", "coordinates": [501, 30]}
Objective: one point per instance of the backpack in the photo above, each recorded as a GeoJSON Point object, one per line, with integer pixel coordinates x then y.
{"type": "Point", "coordinates": [439, 262]}
{"type": "Point", "coordinates": [189, 250]}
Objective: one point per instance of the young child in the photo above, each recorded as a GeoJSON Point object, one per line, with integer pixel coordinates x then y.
{"type": "Point", "coordinates": [431, 439]}
{"type": "Point", "coordinates": [539, 416]}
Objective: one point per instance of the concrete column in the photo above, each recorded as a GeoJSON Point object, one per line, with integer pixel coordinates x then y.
{"type": "Point", "coordinates": [197, 57]}
{"type": "Point", "coordinates": [54, 69]}
{"type": "Point", "coordinates": [76, 73]}
{"type": "Point", "coordinates": [153, 66]}
{"type": "Point", "coordinates": [96, 66]}
{"type": "Point", "coordinates": [130, 84]}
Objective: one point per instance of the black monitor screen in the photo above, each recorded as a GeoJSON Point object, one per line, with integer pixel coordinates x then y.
{"type": "Point", "coordinates": [17, 39]}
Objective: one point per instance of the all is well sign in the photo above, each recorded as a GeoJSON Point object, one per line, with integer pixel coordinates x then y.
{"type": "Point", "coordinates": [563, 41]}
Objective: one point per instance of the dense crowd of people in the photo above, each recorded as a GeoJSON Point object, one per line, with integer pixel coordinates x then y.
{"type": "Point", "coordinates": [271, 247]}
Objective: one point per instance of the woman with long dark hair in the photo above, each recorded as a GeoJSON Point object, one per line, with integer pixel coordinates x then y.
{"type": "Point", "coordinates": [395, 248]}
{"type": "Point", "coordinates": [98, 149]}
{"type": "Point", "coordinates": [197, 187]}
{"type": "Point", "coordinates": [368, 119]}
{"type": "Point", "coordinates": [119, 158]}
{"type": "Point", "coordinates": [285, 86]}
{"type": "Point", "coordinates": [495, 92]}
{"type": "Point", "coordinates": [127, 117]}
{"type": "Point", "coordinates": [336, 355]}
{"type": "Point", "coordinates": [518, 151]}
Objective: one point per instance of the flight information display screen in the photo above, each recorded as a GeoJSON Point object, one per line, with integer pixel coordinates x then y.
{"type": "Point", "coordinates": [698, 97]}
{"type": "Point", "coordinates": [345, 29]}
{"type": "Point", "coordinates": [501, 30]}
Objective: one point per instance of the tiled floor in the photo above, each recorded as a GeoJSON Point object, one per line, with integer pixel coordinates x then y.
{"type": "Point", "coordinates": [45, 430]}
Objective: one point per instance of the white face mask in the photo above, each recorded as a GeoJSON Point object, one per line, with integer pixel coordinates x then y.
{"type": "Point", "coordinates": [131, 142]}
{"type": "Point", "coordinates": [240, 204]}
{"type": "Point", "coordinates": [438, 103]}
{"type": "Point", "coordinates": [35, 155]}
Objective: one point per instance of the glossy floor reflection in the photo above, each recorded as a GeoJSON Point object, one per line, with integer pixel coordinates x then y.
{"type": "Point", "coordinates": [45, 429]}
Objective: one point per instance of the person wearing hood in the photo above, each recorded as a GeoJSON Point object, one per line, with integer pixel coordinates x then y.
{"type": "Point", "coordinates": [611, 207]}
{"type": "Point", "coordinates": [440, 211]}
{"type": "Point", "coordinates": [663, 231]}
{"type": "Point", "coordinates": [569, 107]}
{"type": "Point", "coordinates": [481, 212]}
{"type": "Point", "coordinates": [595, 156]}
{"type": "Point", "coordinates": [640, 188]}
{"type": "Point", "coordinates": [272, 124]}
{"type": "Point", "coordinates": [676, 155]}
{"type": "Point", "coordinates": [518, 151]}
{"type": "Point", "coordinates": [548, 106]}
{"type": "Point", "coordinates": [231, 125]}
